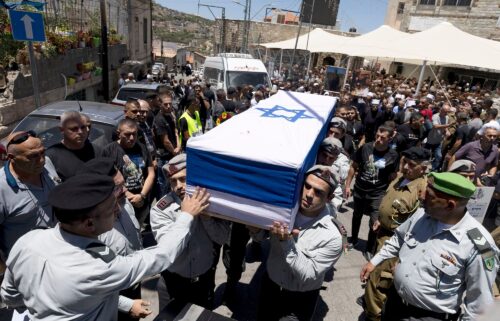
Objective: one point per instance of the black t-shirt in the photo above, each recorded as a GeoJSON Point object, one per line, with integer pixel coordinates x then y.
{"type": "Point", "coordinates": [68, 161]}
{"type": "Point", "coordinates": [133, 163]}
{"type": "Point", "coordinates": [374, 170]}
{"type": "Point", "coordinates": [463, 133]}
{"type": "Point", "coordinates": [348, 145]}
{"type": "Point", "coordinates": [371, 121]}
{"type": "Point", "coordinates": [164, 125]}
{"type": "Point", "coordinates": [356, 130]}
{"type": "Point", "coordinates": [411, 137]}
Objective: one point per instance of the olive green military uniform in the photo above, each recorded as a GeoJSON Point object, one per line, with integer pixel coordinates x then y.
{"type": "Point", "coordinates": [398, 204]}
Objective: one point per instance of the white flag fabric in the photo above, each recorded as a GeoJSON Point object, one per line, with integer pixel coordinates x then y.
{"type": "Point", "coordinates": [253, 164]}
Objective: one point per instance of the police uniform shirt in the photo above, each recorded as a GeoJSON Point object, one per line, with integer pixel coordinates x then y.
{"type": "Point", "coordinates": [125, 237]}
{"type": "Point", "coordinates": [24, 207]}
{"type": "Point", "coordinates": [300, 264]}
{"type": "Point", "coordinates": [55, 275]}
{"type": "Point", "coordinates": [197, 257]}
{"type": "Point", "coordinates": [436, 265]}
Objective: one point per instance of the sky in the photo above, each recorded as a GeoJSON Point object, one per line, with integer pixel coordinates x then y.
{"type": "Point", "coordinates": [365, 15]}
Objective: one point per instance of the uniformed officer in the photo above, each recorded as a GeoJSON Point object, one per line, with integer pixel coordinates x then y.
{"type": "Point", "coordinates": [297, 262]}
{"type": "Point", "coordinates": [66, 273]}
{"type": "Point", "coordinates": [443, 252]}
{"type": "Point", "coordinates": [125, 236]}
{"type": "Point", "coordinates": [190, 278]}
{"type": "Point", "coordinates": [401, 200]}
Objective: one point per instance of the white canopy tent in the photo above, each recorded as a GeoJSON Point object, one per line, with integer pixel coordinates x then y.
{"type": "Point", "coordinates": [443, 44]}
{"type": "Point", "coordinates": [319, 41]}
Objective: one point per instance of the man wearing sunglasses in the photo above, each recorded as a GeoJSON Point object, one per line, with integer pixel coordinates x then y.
{"type": "Point", "coordinates": [25, 181]}
{"type": "Point", "coordinates": [74, 149]}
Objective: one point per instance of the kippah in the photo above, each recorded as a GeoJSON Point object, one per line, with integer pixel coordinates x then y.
{"type": "Point", "coordinates": [100, 166]}
{"type": "Point", "coordinates": [81, 192]}
{"type": "Point", "coordinates": [452, 184]}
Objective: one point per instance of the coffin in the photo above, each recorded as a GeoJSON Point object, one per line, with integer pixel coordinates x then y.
{"type": "Point", "coordinates": [253, 164]}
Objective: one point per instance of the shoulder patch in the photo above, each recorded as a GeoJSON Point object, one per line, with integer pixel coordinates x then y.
{"type": "Point", "coordinates": [483, 247]}
{"type": "Point", "coordinates": [101, 251]}
{"type": "Point", "coordinates": [164, 202]}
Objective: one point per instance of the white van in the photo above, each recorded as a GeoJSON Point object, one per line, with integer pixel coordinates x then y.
{"type": "Point", "coordinates": [233, 69]}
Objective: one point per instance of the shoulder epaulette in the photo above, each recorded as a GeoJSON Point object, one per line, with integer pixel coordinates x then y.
{"type": "Point", "coordinates": [343, 232]}
{"type": "Point", "coordinates": [165, 201]}
{"type": "Point", "coordinates": [483, 247]}
{"type": "Point", "coordinates": [101, 251]}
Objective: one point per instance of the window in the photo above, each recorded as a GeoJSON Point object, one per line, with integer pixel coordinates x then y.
{"type": "Point", "coordinates": [401, 7]}
{"type": "Point", "coordinates": [428, 2]}
{"type": "Point", "coordinates": [457, 3]}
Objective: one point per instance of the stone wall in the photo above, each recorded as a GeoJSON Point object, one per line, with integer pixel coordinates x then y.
{"type": "Point", "coordinates": [482, 18]}
{"type": "Point", "coordinates": [52, 83]}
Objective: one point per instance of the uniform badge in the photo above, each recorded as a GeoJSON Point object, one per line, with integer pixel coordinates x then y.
{"type": "Point", "coordinates": [489, 263]}
{"type": "Point", "coordinates": [164, 202]}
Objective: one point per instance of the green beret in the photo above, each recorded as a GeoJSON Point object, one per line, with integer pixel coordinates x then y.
{"type": "Point", "coordinates": [452, 184]}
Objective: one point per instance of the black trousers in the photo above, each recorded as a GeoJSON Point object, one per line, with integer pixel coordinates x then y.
{"type": "Point", "coordinates": [278, 304]}
{"type": "Point", "coordinates": [199, 291]}
{"type": "Point", "coordinates": [396, 310]}
{"type": "Point", "coordinates": [233, 255]}
{"type": "Point", "coordinates": [364, 206]}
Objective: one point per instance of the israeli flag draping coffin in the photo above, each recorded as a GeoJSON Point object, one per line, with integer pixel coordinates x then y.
{"type": "Point", "coordinates": [253, 164]}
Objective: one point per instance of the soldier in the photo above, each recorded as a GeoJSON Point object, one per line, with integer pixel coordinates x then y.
{"type": "Point", "coordinates": [191, 277]}
{"type": "Point", "coordinates": [125, 236]}
{"type": "Point", "coordinates": [65, 273]}
{"type": "Point", "coordinates": [398, 204]}
{"type": "Point", "coordinates": [443, 254]}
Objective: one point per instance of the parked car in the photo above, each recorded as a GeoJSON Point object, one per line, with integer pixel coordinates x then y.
{"type": "Point", "coordinates": [45, 121]}
{"type": "Point", "coordinates": [136, 90]}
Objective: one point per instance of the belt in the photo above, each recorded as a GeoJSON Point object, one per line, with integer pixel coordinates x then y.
{"type": "Point", "coordinates": [419, 312]}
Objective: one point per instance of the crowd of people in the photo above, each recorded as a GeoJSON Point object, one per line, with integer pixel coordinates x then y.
{"type": "Point", "coordinates": [75, 215]}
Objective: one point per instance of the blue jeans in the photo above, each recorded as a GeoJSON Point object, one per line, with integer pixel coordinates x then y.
{"type": "Point", "coordinates": [437, 156]}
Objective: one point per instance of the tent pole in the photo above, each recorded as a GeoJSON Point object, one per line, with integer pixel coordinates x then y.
{"type": "Point", "coordinates": [298, 33]}
{"type": "Point", "coordinates": [349, 64]}
{"type": "Point", "coordinates": [411, 74]}
{"type": "Point", "coordinates": [307, 44]}
{"type": "Point", "coordinates": [443, 89]}
{"type": "Point", "coordinates": [421, 78]}
{"type": "Point", "coordinates": [281, 60]}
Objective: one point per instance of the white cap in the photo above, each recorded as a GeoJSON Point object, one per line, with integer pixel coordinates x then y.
{"type": "Point", "coordinates": [491, 124]}
{"type": "Point", "coordinates": [370, 94]}
{"type": "Point", "coordinates": [430, 96]}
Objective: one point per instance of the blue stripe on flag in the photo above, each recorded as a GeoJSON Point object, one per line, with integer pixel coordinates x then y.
{"type": "Point", "coordinates": [271, 184]}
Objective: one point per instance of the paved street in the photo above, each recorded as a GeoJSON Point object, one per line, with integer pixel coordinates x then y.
{"type": "Point", "coordinates": [338, 296]}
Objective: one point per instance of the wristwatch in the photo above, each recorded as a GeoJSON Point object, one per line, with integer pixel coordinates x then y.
{"type": "Point", "coordinates": [143, 196]}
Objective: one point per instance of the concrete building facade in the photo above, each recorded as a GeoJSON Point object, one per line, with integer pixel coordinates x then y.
{"type": "Point", "coordinates": [478, 17]}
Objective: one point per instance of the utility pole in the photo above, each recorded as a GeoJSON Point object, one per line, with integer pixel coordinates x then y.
{"type": "Point", "coordinates": [104, 52]}
{"type": "Point", "coordinates": [298, 33]}
{"type": "Point", "coordinates": [223, 21]}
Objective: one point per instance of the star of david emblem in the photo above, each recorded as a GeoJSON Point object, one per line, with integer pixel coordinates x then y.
{"type": "Point", "coordinates": [292, 115]}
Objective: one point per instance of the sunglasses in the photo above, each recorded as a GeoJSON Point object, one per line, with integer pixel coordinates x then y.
{"type": "Point", "coordinates": [21, 138]}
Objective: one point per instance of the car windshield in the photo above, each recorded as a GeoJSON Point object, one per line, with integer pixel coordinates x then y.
{"type": "Point", "coordinates": [242, 78]}
{"type": "Point", "coordinates": [47, 129]}
{"type": "Point", "coordinates": [139, 93]}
